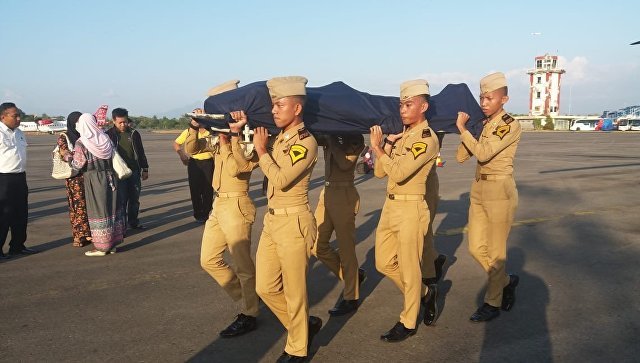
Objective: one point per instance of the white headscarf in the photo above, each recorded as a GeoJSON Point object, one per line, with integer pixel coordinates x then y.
{"type": "Point", "coordinates": [93, 138]}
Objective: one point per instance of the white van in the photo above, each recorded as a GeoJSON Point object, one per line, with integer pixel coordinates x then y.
{"type": "Point", "coordinates": [623, 124]}
{"type": "Point", "coordinates": [584, 124]}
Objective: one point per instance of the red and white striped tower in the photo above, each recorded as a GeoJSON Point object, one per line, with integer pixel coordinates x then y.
{"type": "Point", "coordinates": [544, 86]}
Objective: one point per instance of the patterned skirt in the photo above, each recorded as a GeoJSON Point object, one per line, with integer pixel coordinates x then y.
{"type": "Point", "coordinates": [106, 218]}
{"type": "Point", "coordinates": [77, 209]}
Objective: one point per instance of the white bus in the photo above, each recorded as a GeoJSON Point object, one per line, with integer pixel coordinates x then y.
{"type": "Point", "coordinates": [584, 124]}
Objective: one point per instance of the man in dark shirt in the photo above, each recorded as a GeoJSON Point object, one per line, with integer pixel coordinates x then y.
{"type": "Point", "coordinates": [129, 146]}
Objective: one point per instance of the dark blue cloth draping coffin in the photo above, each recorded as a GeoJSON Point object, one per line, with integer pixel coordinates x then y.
{"type": "Point", "coordinates": [339, 109]}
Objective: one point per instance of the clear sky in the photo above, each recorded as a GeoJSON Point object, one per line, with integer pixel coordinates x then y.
{"type": "Point", "coordinates": [160, 57]}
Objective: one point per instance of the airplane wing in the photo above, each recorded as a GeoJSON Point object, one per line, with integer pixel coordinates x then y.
{"type": "Point", "coordinates": [339, 109]}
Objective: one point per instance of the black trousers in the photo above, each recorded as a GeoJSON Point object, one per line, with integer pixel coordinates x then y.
{"type": "Point", "coordinates": [13, 209]}
{"type": "Point", "coordinates": [200, 174]}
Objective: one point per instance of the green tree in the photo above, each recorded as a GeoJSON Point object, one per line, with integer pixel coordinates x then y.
{"type": "Point", "coordinates": [548, 125]}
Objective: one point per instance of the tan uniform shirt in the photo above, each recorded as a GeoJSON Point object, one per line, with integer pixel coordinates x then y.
{"type": "Point", "coordinates": [411, 159]}
{"type": "Point", "coordinates": [496, 147]}
{"type": "Point", "coordinates": [231, 171]}
{"type": "Point", "coordinates": [288, 167]}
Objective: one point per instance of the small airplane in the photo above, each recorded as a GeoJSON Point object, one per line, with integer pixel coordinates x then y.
{"type": "Point", "coordinates": [45, 125]}
{"type": "Point", "coordinates": [635, 43]}
{"type": "Point", "coordinates": [50, 126]}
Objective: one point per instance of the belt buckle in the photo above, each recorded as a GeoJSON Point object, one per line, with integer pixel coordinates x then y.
{"type": "Point", "coordinates": [392, 197]}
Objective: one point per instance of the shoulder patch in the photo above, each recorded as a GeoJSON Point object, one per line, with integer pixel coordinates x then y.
{"type": "Point", "coordinates": [418, 148]}
{"type": "Point", "coordinates": [426, 133]}
{"type": "Point", "coordinates": [297, 152]}
{"type": "Point", "coordinates": [303, 133]}
{"type": "Point", "coordinates": [503, 130]}
{"type": "Point", "coordinates": [507, 118]}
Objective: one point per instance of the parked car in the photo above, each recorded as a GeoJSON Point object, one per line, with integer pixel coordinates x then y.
{"type": "Point", "coordinates": [584, 124]}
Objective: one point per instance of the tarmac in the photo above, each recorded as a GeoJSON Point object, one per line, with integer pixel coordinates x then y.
{"type": "Point", "coordinates": [575, 244]}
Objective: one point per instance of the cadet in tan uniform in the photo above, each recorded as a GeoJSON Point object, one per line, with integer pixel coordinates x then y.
{"type": "Point", "coordinates": [337, 208]}
{"type": "Point", "coordinates": [229, 223]}
{"type": "Point", "coordinates": [289, 230]}
{"type": "Point", "coordinates": [405, 215]}
{"type": "Point", "coordinates": [494, 196]}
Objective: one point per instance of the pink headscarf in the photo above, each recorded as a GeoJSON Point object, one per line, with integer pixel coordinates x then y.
{"type": "Point", "coordinates": [93, 138]}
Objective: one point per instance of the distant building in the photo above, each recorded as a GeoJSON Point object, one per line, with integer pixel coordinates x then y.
{"type": "Point", "coordinates": [544, 86]}
{"type": "Point", "coordinates": [630, 111]}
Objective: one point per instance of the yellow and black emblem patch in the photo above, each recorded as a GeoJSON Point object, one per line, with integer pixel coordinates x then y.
{"type": "Point", "coordinates": [418, 148]}
{"type": "Point", "coordinates": [297, 152]}
{"type": "Point", "coordinates": [501, 131]}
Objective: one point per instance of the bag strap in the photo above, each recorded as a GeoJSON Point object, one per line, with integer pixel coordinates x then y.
{"type": "Point", "coordinates": [68, 141]}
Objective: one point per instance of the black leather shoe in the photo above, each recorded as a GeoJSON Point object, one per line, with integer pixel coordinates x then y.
{"type": "Point", "coordinates": [362, 275]}
{"type": "Point", "coordinates": [242, 325]}
{"type": "Point", "coordinates": [397, 334]}
{"type": "Point", "coordinates": [439, 264]}
{"type": "Point", "coordinates": [139, 227]}
{"type": "Point", "coordinates": [485, 313]}
{"type": "Point", "coordinates": [315, 323]}
{"type": "Point", "coordinates": [24, 251]}
{"type": "Point", "coordinates": [430, 301]}
{"type": "Point", "coordinates": [344, 307]}
{"type": "Point", "coordinates": [509, 293]}
{"type": "Point", "coordinates": [288, 358]}
{"type": "Point", "coordinates": [3, 256]}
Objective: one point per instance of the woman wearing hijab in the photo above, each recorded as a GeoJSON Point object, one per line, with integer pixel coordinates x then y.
{"type": "Point", "coordinates": [75, 186]}
{"type": "Point", "coordinates": [92, 155]}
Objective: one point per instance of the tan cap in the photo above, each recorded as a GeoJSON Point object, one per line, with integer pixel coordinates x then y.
{"type": "Point", "coordinates": [413, 88]}
{"type": "Point", "coordinates": [492, 82]}
{"type": "Point", "coordinates": [287, 86]}
{"type": "Point", "coordinates": [226, 86]}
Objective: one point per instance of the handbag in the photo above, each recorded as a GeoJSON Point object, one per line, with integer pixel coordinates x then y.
{"type": "Point", "coordinates": [120, 166]}
{"type": "Point", "coordinates": [62, 169]}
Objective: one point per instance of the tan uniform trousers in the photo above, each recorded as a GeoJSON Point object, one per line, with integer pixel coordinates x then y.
{"type": "Point", "coordinates": [336, 210]}
{"type": "Point", "coordinates": [281, 262]}
{"type": "Point", "coordinates": [491, 212]}
{"type": "Point", "coordinates": [229, 226]}
{"type": "Point", "coordinates": [429, 252]}
{"type": "Point", "coordinates": [398, 250]}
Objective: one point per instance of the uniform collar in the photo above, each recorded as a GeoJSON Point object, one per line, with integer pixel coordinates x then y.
{"type": "Point", "coordinates": [5, 127]}
{"type": "Point", "coordinates": [419, 127]}
{"type": "Point", "coordinates": [495, 119]}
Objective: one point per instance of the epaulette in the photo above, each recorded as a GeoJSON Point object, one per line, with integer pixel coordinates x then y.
{"type": "Point", "coordinates": [303, 133]}
{"type": "Point", "coordinates": [507, 118]}
{"type": "Point", "coordinates": [426, 133]}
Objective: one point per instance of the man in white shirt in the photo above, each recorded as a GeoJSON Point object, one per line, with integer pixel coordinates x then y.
{"type": "Point", "coordinates": [13, 182]}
